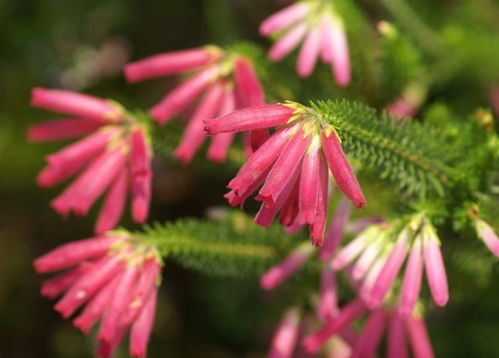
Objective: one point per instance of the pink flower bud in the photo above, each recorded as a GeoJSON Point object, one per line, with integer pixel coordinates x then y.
{"type": "Point", "coordinates": [435, 271]}
{"type": "Point", "coordinates": [194, 134]}
{"type": "Point", "coordinates": [396, 347]}
{"type": "Point", "coordinates": [284, 18]}
{"type": "Point", "coordinates": [371, 335]}
{"type": "Point", "coordinates": [309, 184]}
{"type": "Point", "coordinates": [114, 204]}
{"type": "Point", "coordinates": [288, 42]}
{"type": "Point", "coordinates": [366, 260]}
{"type": "Point", "coordinates": [61, 129]}
{"type": "Point", "coordinates": [77, 104]}
{"type": "Point", "coordinates": [309, 52]}
{"type": "Point", "coordinates": [418, 338]}
{"type": "Point", "coordinates": [336, 230]}
{"type": "Point", "coordinates": [142, 328]}
{"type": "Point", "coordinates": [389, 271]}
{"type": "Point", "coordinates": [411, 284]}
{"type": "Point", "coordinates": [319, 225]}
{"type": "Point", "coordinates": [56, 286]}
{"type": "Point", "coordinates": [278, 274]}
{"type": "Point", "coordinates": [340, 168]}
{"type": "Point", "coordinates": [340, 55]}
{"type": "Point", "coordinates": [178, 99]}
{"type": "Point", "coordinates": [141, 175]}
{"type": "Point", "coordinates": [170, 63]}
{"type": "Point", "coordinates": [347, 315]}
{"type": "Point", "coordinates": [250, 118]}
{"type": "Point", "coordinates": [489, 237]}
{"type": "Point", "coordinates": [220, 143]}
{"type": "Point", "coordinates": [328, 304]}
{"type": "Point", "coordinates": [72, 253]}
{"type": "Point", "coordinates": [352, 250]}
{"type": "Point", "coordinates": [248, 88]}
{"type": "Point", "coordinates": [284, 341]}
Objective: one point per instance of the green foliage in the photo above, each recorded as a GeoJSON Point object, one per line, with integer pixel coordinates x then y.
{"type": "Point", "coordinates": [233, 246]}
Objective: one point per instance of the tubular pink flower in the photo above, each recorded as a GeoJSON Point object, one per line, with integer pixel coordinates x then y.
{"type": "Point", "coordinates": [114, 204]}
{"type": "Point", "coordinates": [289, 211]}
{"type": "Point", "coordinates": [418, 338]}
{"type": "Point", "coordinates": [309, 184]}
{"type": "Point", "coordinates": [141, 175]}
{"type": "Point", "coordinates": [347, 315]}
{"type": "Point", "coordinates": [170, 63]}
{"type": "Point", "coordinates": [336, 230]}
{"type": "Point", "coordinates": [351, 251]}
{"type": "Point", "coordinates": [489, 237]}
{"type": "Point", "coordinates": [72, 253]}
{"type": "Point", "coordinates": [56, 286]}
{"type": "Point", "coordinates": [250, 118]}
{"type": "Point", "coordinates": [284, 341]}
{"type": "Point", "coordinates": [340, 168]}
{"type": "Point", "coordinates": [371, 335]}
{"type": "Point", "coordinates": [194, 134]}
{"type": "Point", "coordinates": [328, 303]}
{"type": "Point", "coordinates": [61, 129]}
{"type": "Point", "coordinates": [142, 328]}
{"type": "Point", "coordinates": [288, 42]}
{"type": "Point", "coordinates": [435, 271]}
{"type": "Point", "coordinates": [340, 56]}
{"type": "Point", "coordinates": [220, 143]}
{"type": "Point", "coordinates": [82, 193]}
{"type": "Point", "coordinates": [119, 288]}
{"type": "Point", "coordinates": [309, 52]}
{"type": "Point", "coordinates": [411, 284]}
{"type": "Point", "coordinates": [178, 99]}
{"type": "Point", "coordinates": [396, 347]}
{"type": "Point", "coordinates": [288, 163]}
{"type": "Point", "coordinates": [279, 273]}
{"type": "Point", "coordinates": [77, 104]}
{"type": "Point", "coordinates": [366, 288]}
{"type": "Point", "coordinates": [389, 272]}
{"type": "Point", "coordinates": [70, 160]}
{"type": "Point", "coordinates": [401, 107]}
{"type": "Point", "coordinates": [283, 18]}
{"type": "Point", "coordinates": [319, 225]}
{"type": "Point", "coordinates": [366, 260]}
{"type": "Point", "coordinates": [327, 46]}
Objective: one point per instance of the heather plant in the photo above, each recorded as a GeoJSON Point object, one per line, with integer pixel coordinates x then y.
{"type": "Point", "coordinates": [377, 186]}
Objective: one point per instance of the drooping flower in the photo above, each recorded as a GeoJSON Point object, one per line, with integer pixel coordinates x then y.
{"type": "Point", "coordinates": [400, 329]}
{"type": "Point", "coordinates": [286, 335]}
{"type": "Point", "coordinates": [378, 253]}
{"type": "Point", "coordinates": [321, 29]}
{"type": "Point", "coordinates": [224, 81]}
{"type": "Point", "coordinates": [114, 156]}
{"type": "Point", "coordinates": [292, 165]}
{"type": "Point", "coordinates": [115, 278]}
{"type": "Point", "coordinates": [408, 103]}
{"type": "Point", "coordinates": [488, 236]}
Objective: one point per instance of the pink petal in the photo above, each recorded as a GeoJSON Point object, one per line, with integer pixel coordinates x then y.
{"type": "Point", "coordinates": [411, 285]}
{"type": "Point", "coordinates": [284, 341]}
{"type": "Point", "coordinates": [284, 18]}
{"type": "Point", "coordinates": [179, 98]}
{"type": "Point", "coordinates": [220, 143]}
{"type": "Point", "coordinates": [113, 205]}
{"type": "Point", "coordinates": [309, 52]}
{"type": "Point", "coordinates": [328, 302]}
{"type": "Point", "coordinates": [418, 338]}
{"type": "Point", "coordinates": [435, 271]}
{"type": "Point", "coordinates": [142, 328]}
{"type": "Point", "coordinates": [309, 184]}
{"type": "Point", "coordinates": [258, 117]}
{"type": "Point", "coordinates": [288, 42]}
{"type": "Point", "coordinates": [396, 347]}
{"type": "Point", "coordinates": [77, 104]}
{"type": "Point", "coordinates": [194, 133]}
{"type": "Point", "coordinates": [141, 175]}
{"type": "Point", "coordinates": [56, 286]}
{"type": "Point", "coordinates": [61, 129]}
{"type": "Point", "coordinates": [371, 335]}
{"type": "Point", "coordinates": [336, 230]}
{"type": "Point", "coordinates": [352, 250]}
{"type": "Point", "coordinates": [489, 237]}
{"type": "Point", "coordinates": [340, 168]}
{"type": "Point", "coordinates": [319, 225]}
{"type": "Point", "coordinates": [340, 55]}
{"type": "Point", "coordinates": [170, 63]}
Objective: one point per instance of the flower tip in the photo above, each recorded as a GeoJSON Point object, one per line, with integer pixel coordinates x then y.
{"type": "Point", "coordinates": [131, 73]}
{"type": "Point", "coordinates": [442, 299]}
{"type": "Point", "coordinates": [158, 114]}
{"type": "Point", "coordinates": [36, 96]}
{"type": "Point", "coordinates": [311, 344]}
{"type": "Point", "coordinates": [267, 282]}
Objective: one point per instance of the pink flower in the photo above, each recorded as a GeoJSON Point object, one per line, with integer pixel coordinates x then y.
{"type": "Point", "coordinates": [401, 107]}
{"type": "Point", "coordinates": [396, 347]}
{"type": "Point", "coordinates": [327, 306]}
{"type": "Point", "coordinates": [224, 82]}
{"type": "Point", "coordinates": [292, 165]}
{"type": "Point", "coordinates": [323, 35]}
{"type": "Point", "coordinates": [335, 232]}
{"type": "Point", "coordinates": [115, 278]}
{"type": "Point", "coordinates": [418, 337]}
{"type": "Point", "coordinates": [285, 337]}
{"type": "Point", "coordinates": [112, 159]}
{"type": "Point", "coordinates": [489, 237]}
{"type": "Point", "coordinates": [411, 284]}
{"type": "Point", "coordinates": [279, 273]}
{"type": "Point", "coordinates": [371, 335]}
{"type": "Point", "coordinates": [435, 269]}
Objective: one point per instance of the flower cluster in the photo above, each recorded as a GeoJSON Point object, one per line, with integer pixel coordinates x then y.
{"type": "Point", "coordinates": [114, 155]}
{"type": "Point", "coordinates": [293, 165]}
{"type": "Point", "coordinates": [116, 278]}
{"type": "Point", "coordinates": [323, 34]}
{"type": "Point", "coordinates": [228, 82]}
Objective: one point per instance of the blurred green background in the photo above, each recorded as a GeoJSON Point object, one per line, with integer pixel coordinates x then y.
{"type": "Point", "coordinates": [82, 45]}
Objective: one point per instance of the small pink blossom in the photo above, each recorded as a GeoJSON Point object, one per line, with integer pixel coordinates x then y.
{"type": "Point", "coordinates": [327, 306]}
{"type": "Point", "coordinates": [284, 341]}
{"type": "Point", "coordinates": [335, 233]}
{"type": "Point", "coordinates": [489, 237]}
{"type": "Point", "coordinates": [223, 80]}
{"type": "Point", "coordinates": [279, 273]}
{"type": "Point", "coordinates": [418, 337]}
{"type": "Point", "coordinates": [435, 269]}
{"type": "Point", "coordinates": [115, 278]}
{"type": "Point", "coordinates": [397, 346]}
{"type": "Point", "coordinates": [411, 284]}
{"type": "Point", "coordinates": [371, 335]}
{"type": "Point", "coordinates": [111, 160]}
{"type": "Point", "coordinates": [323, 35]}
{"type": "Point", "coordinates": [292, 167]}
